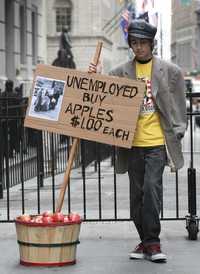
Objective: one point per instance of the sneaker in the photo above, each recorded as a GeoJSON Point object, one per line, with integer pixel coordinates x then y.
{"type": "Point", "coordinates": [154, 254]}
{"type": "Point", "coordinates": [138, 252]}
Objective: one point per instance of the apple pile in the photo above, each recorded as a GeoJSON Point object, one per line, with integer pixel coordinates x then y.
{"type": "Point", "coordinates": [48, 217]}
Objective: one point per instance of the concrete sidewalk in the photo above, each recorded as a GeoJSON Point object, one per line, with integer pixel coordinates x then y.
{"type": "Point", "coordinates": [104, 248]}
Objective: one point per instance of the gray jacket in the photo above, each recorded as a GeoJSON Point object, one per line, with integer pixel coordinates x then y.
{"type": "Point", "coordinates": [168, 91]}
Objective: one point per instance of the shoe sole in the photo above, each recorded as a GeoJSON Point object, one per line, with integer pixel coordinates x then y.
{"type": "Point", "coordinates": [137, 256]}
{"type": "Point", "coordinates": [158, 258]}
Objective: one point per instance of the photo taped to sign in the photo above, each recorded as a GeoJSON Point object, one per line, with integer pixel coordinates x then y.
{"type": "Point", "coordinates": [47, 98]}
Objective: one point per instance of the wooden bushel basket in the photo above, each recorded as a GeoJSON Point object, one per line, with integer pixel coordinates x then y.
{"type": "Point", "coordinates": [52, 244]}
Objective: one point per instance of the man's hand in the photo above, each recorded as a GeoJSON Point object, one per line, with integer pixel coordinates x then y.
{"type": "Point", "coordinates": [95, 68]}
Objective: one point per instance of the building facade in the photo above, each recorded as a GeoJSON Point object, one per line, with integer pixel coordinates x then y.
{"type": "Point", "coordinates": [23, 40]}
{"type": "Point", "coordinates": [30, 33]}
{"type": "Point", "coordinates": [185, 35]}
{"type": "Point", "coordinates": [88, 21]}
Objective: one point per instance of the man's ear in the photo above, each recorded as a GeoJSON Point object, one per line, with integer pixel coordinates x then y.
{"type": "Point", "coordinates": [152, 45]}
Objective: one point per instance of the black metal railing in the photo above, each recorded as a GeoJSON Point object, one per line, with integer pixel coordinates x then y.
{"type": "Point", "coordinates": [95, 191]}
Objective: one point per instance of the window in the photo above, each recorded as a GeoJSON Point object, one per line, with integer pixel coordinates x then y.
{"type": "Point", "coordinates": [63, 14]}
{"type": "Point", "coordinates": [22, 19]}
{"type": "Point", "coordinates": [63, 18]}
{"type": "Point", "coordinates": [34, 35]}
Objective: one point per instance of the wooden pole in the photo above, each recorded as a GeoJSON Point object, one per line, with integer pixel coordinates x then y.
{"type": "Point", "coordinates": [75, 144]}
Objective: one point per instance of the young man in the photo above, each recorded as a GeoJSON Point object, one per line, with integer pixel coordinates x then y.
{"type": "Point", "coordinates": [157, 140]}
{"type": "Point", "coordinates": [161, 124]}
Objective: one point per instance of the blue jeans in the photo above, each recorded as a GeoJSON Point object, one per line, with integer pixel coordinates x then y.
{"type": "Point", "coordinates": [146, 166]}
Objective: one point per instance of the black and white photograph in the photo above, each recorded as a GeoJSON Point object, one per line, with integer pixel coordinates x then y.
{"type": "Point", "coordinates": [47, 98]}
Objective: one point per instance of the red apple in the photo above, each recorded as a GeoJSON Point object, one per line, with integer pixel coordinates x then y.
{"type": "Point", "coordinates": [25, 218]}
{"type": "Point", "coordinates": [58, 217]}
{"type": "Point", "coordinates": [32, 220]}
{"type": "Point", "coordinates": [47, 219]}
{"type": "Point", "coordinates": [47, 213]}
{"type": "Point", "coordinates": [74, 217]}
{"type": "Point", "coordinates": [38, 219]}
{"type": "Point", "coordinates": [67, 219]}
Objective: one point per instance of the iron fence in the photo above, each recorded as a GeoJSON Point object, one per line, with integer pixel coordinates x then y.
{"type": "Point", "coordinates": [96, 192]}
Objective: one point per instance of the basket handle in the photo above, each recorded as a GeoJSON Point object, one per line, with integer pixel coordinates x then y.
{"type": "Point", "coordinates": [75, 144]}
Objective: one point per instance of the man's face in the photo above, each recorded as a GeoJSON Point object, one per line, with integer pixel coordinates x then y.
{"type": "Point", "coordinates": [141, 48]}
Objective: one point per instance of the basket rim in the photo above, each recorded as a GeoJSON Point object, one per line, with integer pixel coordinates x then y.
{"type": "Point", "coordinates": [53, 224]}
{"type": "Point", "coordinates": [25, 263]}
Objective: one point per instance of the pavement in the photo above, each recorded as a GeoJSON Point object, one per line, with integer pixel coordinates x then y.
{"type": "Point", "coordinates": [104, 246]}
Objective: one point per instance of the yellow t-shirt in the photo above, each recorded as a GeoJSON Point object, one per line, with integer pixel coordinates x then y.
{"type": "Point", "coordinates": [148, 129]}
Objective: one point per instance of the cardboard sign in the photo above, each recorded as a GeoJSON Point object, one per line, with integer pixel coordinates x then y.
{"type": "Point", "coordinates": [89, 106]}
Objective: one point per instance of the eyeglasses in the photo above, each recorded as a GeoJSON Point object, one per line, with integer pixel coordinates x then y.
{"type": "Point", "coordinates": [140, 42]}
